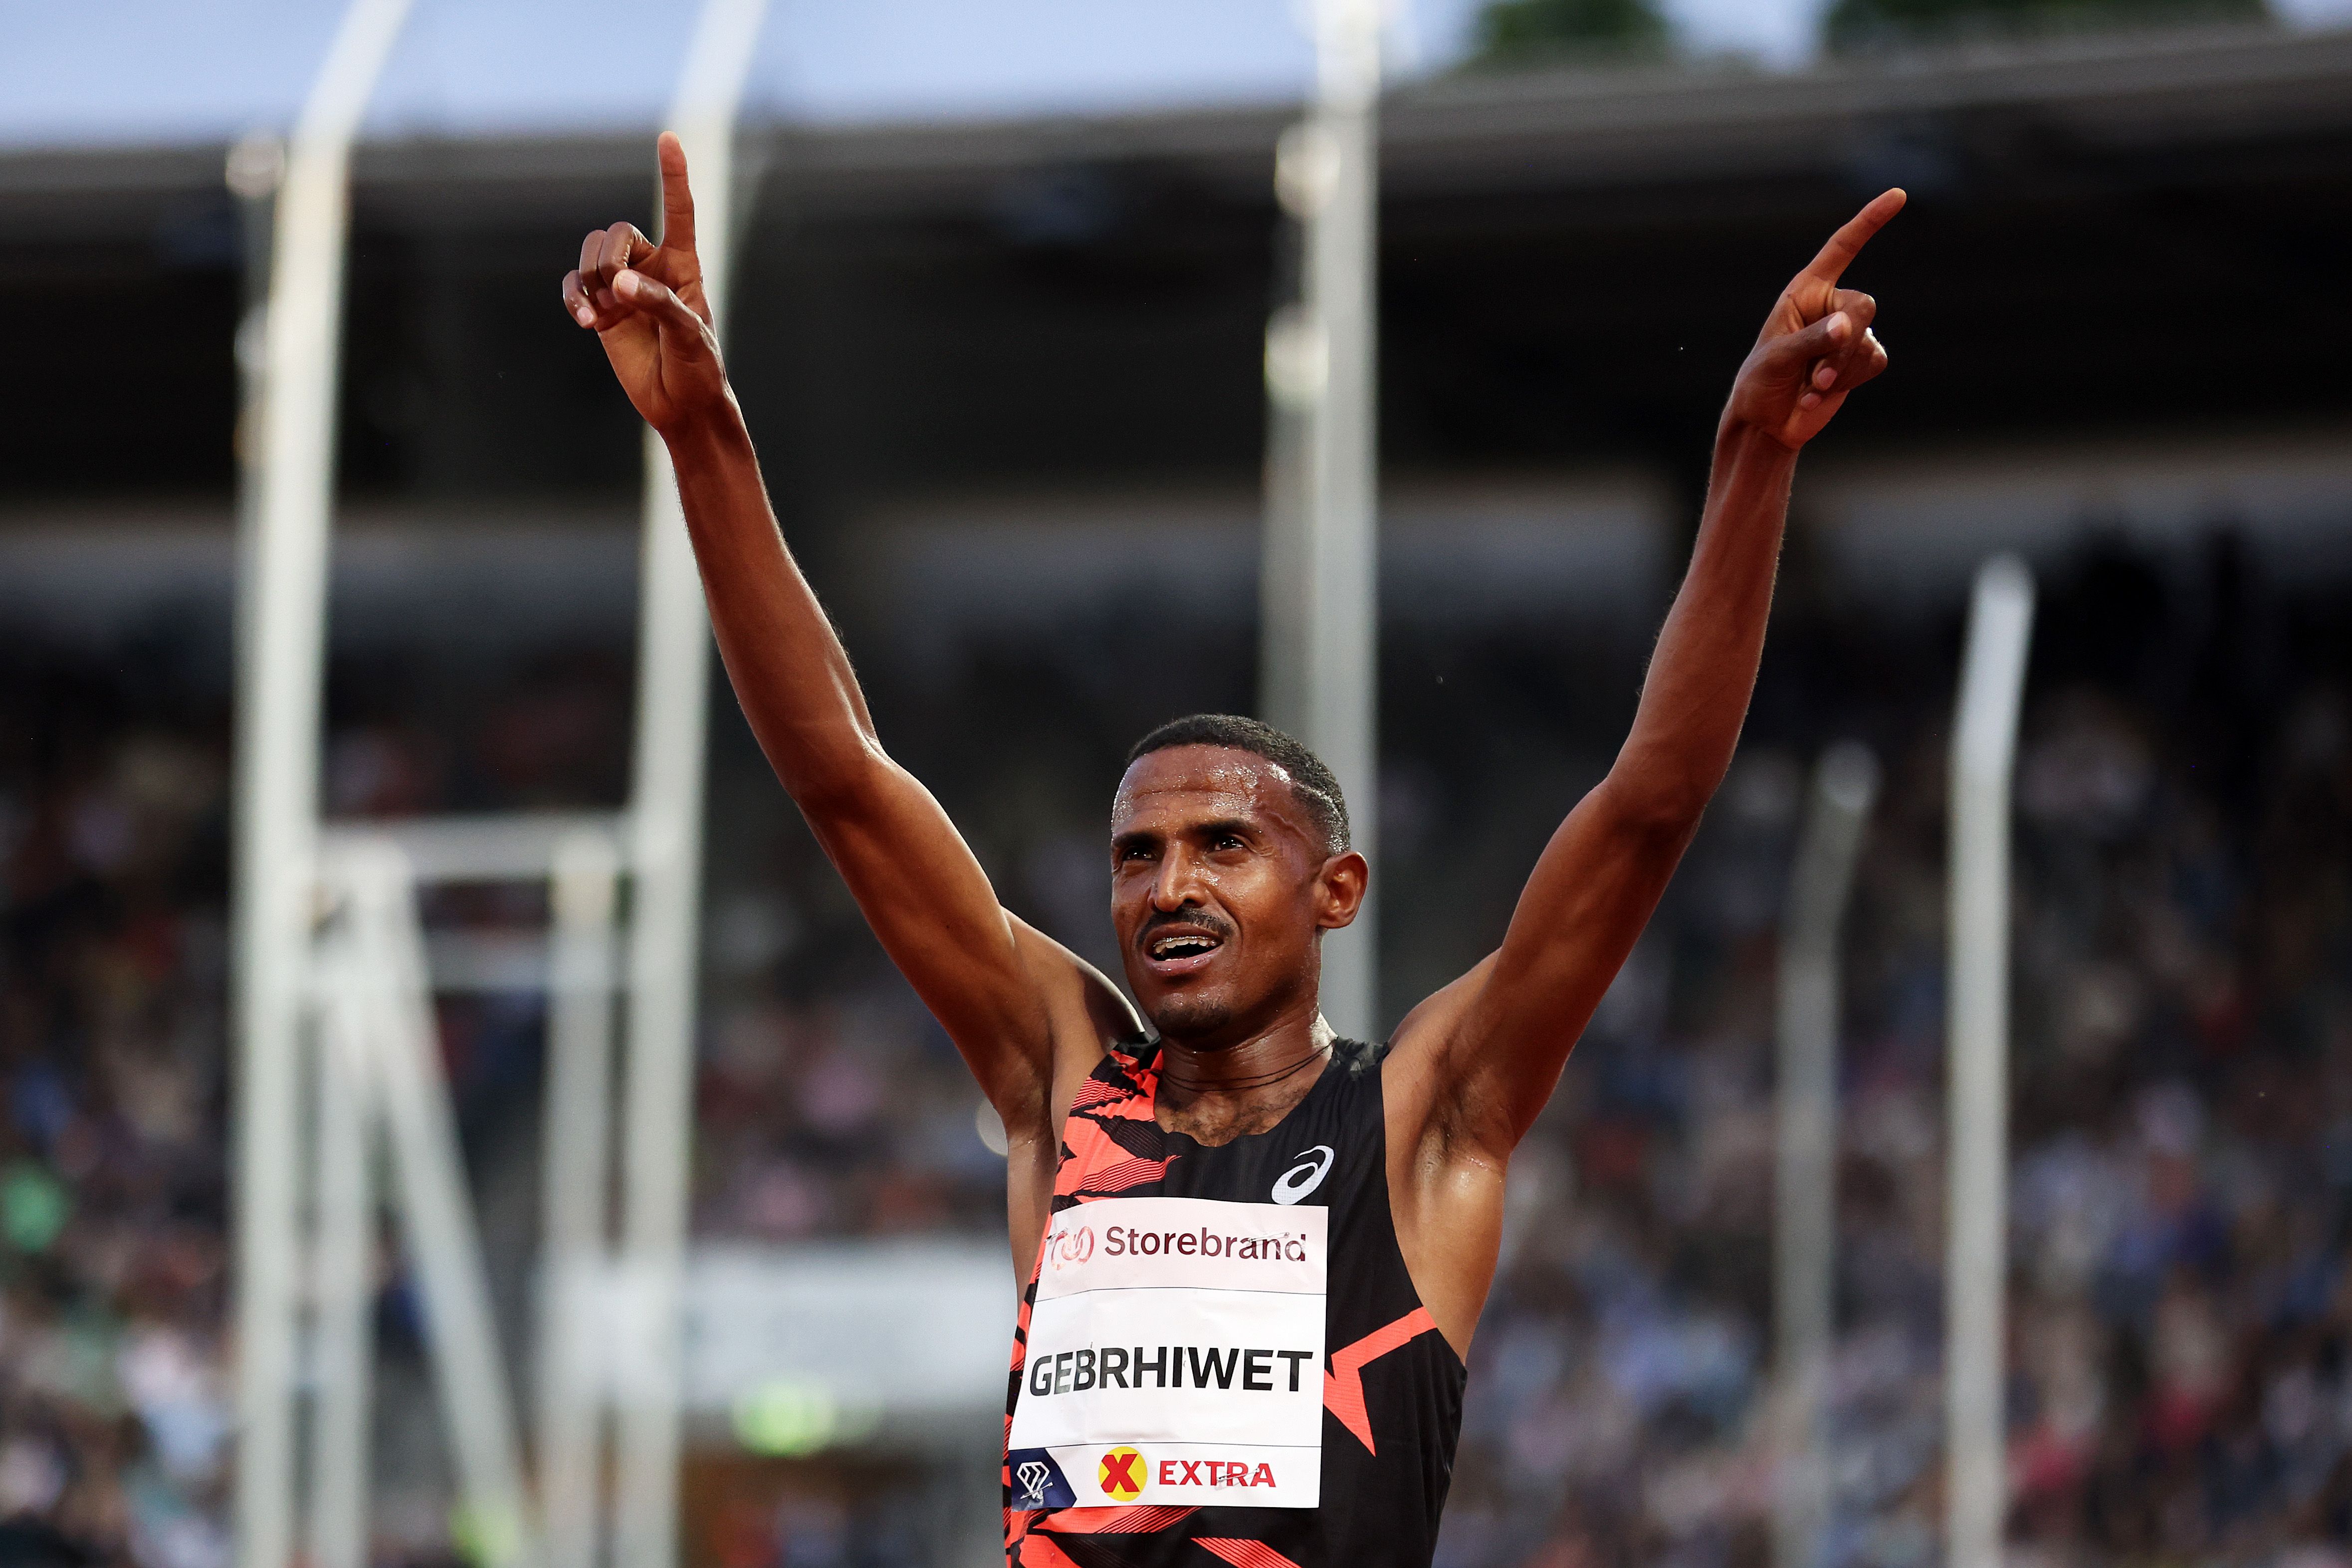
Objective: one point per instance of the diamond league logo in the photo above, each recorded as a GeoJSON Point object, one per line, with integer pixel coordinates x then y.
{"type": "Point", "coordinates": [1036, 1482]}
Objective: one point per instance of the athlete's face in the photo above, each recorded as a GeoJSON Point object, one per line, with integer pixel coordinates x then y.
{"type": "Point", "coordinates": [1221, 887]}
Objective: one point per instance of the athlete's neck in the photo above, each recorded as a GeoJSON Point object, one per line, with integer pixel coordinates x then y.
{"type": "Point", "coordinates": [1216, 1096]}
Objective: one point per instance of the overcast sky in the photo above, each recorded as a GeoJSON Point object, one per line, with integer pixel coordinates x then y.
{"type": "Point", "coordinates": [147, 71]}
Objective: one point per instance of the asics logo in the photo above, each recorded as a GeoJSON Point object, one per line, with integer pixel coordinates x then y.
{"type": "Point", "coordinates": [1303, 1178]}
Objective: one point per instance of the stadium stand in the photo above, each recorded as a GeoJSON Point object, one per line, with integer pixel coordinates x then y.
{"type": "Point", "coordinates": [2184, 1068]}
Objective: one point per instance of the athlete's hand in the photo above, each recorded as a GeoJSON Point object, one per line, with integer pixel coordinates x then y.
{"type": "Point", "coordinates": [1817, 345]}
{"type": "Point", "coordinates": [645, 303]}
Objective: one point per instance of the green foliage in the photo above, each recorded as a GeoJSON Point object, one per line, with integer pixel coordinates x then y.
{"type": "Point", "coordinates": [1517, 31]}
{"type": "Point", "coordinates": [1866, 24]}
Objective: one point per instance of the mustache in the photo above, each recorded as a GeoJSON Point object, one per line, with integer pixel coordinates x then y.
{"type": "Point", "coordinates": [1216, 925]}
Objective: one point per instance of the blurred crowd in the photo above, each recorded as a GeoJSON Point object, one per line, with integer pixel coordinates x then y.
{"type": "Point", "coordinates": [2180, 1312]}
{"type": "Point", "coordinates": [113, 1420]}
{"type": "Point", "coordinates": [2181, 1389]}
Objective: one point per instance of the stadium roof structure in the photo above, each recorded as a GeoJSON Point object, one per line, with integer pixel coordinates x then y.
{"type": "Point", "coordinates": [1572, 264]}
{"type": "Point", "coordinates": [140, 72]}
{"type": "Point", "coordinates": [1463, 131]}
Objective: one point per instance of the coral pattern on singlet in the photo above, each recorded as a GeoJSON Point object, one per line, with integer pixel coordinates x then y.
{"type": "Point", "coordinates": [1391, 1387]}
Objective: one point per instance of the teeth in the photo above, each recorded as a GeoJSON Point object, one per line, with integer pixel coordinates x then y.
{"type": "Point", "coordinates": [1180, 946]}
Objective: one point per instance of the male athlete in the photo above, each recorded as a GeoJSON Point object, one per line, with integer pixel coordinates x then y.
{"type": "Point", "coordinates": [1254, 1252]}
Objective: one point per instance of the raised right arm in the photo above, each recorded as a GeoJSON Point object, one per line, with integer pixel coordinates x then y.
{"type": "Point", "coordinates": [1013, 1001]}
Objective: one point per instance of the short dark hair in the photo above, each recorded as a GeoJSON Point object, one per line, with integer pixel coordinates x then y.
{"type": "Point", "coordinates": [1313, 786]}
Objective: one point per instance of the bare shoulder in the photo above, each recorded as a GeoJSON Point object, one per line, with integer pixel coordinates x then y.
{"type": "Point", "coordinates": [1446, 1188]}
{"type": "Point", "coordinates": [1085, 1015]}
{"type": "Point", "coordinates": [1428, 1056]}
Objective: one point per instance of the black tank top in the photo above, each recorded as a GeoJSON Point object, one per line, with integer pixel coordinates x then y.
{"type": "Point", "coordinates": [1116, 1493]}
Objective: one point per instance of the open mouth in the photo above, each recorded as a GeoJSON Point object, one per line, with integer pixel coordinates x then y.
{"type": "Point", "coordinates": [1181, 949]}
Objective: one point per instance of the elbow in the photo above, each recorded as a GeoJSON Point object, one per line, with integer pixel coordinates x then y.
{"type": "Point", "coordinates": [1661, 811]}
{"type": "Point", "coordinates": [837, 784]}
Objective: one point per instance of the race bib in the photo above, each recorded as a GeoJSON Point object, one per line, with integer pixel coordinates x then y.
{"type": "Point", "coordinates": [1175, 1357]}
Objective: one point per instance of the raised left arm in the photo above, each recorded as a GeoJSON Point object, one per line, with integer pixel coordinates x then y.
{"type": "Point", "coordinates": [1501, 1034]}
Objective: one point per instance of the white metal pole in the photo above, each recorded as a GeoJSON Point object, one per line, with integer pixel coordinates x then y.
{"type": "Point", "coordinates": [393, 1013]}
{"type": "Point", "coordinates": [576, 1200]}
{"type": "Point", "coordinates": [281, 606]}
{"type": "Point", "coordinates": [1321, 582]}
{"type": "Point", "coordinates": [342, 1262]}
{"type": "Point", "coordinates": [1845, 782]}
{"type": "Point", "coordinates": [673, 678]}
{"type": "Point", "coordinates": [1295, 365]}
{"type": "Point", "coordinates": [1975, 1267]}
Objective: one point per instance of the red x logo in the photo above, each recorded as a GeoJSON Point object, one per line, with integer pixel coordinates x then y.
{"type": "Point", "coordinates": [1120, 1480]}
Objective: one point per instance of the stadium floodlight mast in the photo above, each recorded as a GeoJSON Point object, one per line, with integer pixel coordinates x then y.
{"type": "Point", "coordinates": [1319, 575]}
{"type": "Point", "coordinates": [1976, 1261]}
{"type": "Point", "coordinates": [1845, 784]}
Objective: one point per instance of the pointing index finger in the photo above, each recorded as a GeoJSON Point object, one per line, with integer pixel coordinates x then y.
{"type": "Point", "coordinates": [1847, 242]}
{"type": "Point", "coordinates": [678, 197]}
